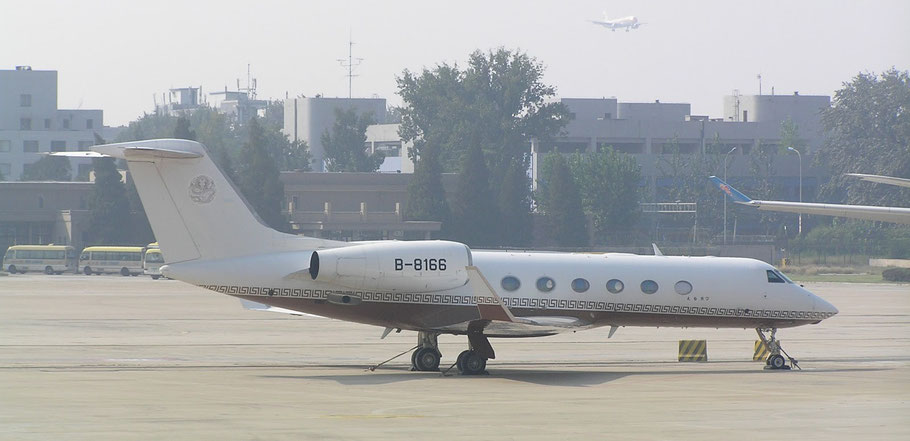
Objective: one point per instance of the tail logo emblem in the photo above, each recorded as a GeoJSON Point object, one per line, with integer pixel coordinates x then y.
{"type": "Point", "coordinates": [202, 189]}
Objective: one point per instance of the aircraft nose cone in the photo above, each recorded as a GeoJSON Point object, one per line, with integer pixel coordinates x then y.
{"type": "Point", "coordinates": [822, 305]}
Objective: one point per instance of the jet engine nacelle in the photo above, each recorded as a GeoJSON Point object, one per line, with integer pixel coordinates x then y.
{"type": "Point", "coordinates": [414, 266]}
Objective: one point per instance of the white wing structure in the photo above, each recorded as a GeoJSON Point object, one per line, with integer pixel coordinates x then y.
{"type": "Point", "coordinates": [884, 214]}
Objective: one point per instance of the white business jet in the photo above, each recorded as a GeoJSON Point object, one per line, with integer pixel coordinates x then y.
{"type": "Point", "coordinates": [212, 239]}
{"type": "Point", "coordinates": [630, 22]}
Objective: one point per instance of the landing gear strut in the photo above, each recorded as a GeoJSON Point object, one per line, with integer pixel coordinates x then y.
{"type": "Point", "coordinates": [776, 360]}
{"type": "Point", "coordinates": [427, 355]}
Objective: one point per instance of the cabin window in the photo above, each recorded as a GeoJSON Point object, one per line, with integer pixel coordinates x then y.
{"type": "Point", "coordinates": [510, 283]}
{"type": "Point", "coordinates": [773, 277]}
{"type": "Point", "coordinates": [682, 287]}
{"type": "Point", "coordinates": [649, 287]}
{"type": "Point", "coordinates": [615, 286]}
{"type": "Point", "coordinates": [580, 285]}
{"type": "Point", "coordinates": [546, 284]}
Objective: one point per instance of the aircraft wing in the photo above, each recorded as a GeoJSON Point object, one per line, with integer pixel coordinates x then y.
{"type": "Point", "coordinates": [867, 212]}
{"type": "Point", "coordinates": [256, 306]}
{"type": "Point", "coordinates": [890, 180]}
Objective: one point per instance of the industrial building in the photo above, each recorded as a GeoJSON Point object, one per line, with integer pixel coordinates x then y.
{"type": "Point", "coordinates": [31, 123]}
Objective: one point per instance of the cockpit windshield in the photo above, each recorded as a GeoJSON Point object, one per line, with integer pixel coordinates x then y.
{"type": "Point", "coordinates": [777, 277]}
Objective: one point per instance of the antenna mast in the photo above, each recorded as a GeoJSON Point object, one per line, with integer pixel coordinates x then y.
{"type": "Point", "coordinates": [350, 64]}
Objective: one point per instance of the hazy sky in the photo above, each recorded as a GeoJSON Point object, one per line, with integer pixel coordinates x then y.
{"type": "Point", "coordinates": [116, 55]}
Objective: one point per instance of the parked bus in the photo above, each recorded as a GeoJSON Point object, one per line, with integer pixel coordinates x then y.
{"type": "Point", "coordinates": [153, 261]}
{"type": "Point", "coordinates": [52, 259]}
{"type": "Point", "coordinates": [124, 260]}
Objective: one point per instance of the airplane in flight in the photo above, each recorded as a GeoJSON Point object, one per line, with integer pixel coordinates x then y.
{"type": "Point", "coordinates": [630, 22]}
{"type": "Point", "coordinates": [867, 212]}
{"type": "Point", "coordinates": [212, 239]}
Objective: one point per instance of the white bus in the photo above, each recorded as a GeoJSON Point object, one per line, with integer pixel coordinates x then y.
{"type": "Point", "coordinates": [52, 259]}
{"type": "Point", "coordinates": [153, 261]}
{"type": "Point", "coordinates": [124, 260]}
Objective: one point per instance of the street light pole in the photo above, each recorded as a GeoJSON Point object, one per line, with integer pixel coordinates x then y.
{"type": "Point", "coordinates": [798, 154]}
{"type": "Point", "coordinates": [725, 197]}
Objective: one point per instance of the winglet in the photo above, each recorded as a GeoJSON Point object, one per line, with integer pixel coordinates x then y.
{"type": "Point", "coordinates": [733, 193]}
{"type": "Point", "coordinates": [489, 305]}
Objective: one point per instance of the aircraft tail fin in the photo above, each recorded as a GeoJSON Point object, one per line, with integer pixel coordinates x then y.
{"type": "Point", "coordinates": [731, 192]}
{"type": "Point", "coordinates": [194, 210]}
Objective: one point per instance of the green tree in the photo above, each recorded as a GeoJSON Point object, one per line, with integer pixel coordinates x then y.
{"type": "Point", "coordinates": [426, 195]}
{"type": "Point", "coordinates": [867, 130]}
{"type": "Point", "coordinates": [517, 223]}
{"type": "Point", "coordinates": [683, 177]}
{"type": "Point", "coordinates": [48, 168]}
{"type": "Point", "coordinates": [559, 199]}
{"type": "Point", "coordinates": [764, 185]}
{"type": "Point", "coordinates": [344, 144]}
{"type": "Point", "coordinates": [475, 217]}
{"type": "Point", "coordinates": [608, 182]}
{"type": "Point", "coordinates": [259, 178]}
{"type": "Point", "coordinates": [499, 102]}
{"type": "Point", "coordinates": [182, 129]}
{"type": "Point", "coordinates": [109, 208]}
{"type": "Point", "coordinates": [789, 137]}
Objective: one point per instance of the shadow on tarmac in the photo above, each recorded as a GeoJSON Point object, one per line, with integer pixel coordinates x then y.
{"type": "Point", "coordinates": [560, 378]}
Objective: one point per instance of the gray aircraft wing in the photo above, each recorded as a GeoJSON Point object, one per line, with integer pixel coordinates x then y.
{"type": "Point", "coordinates": [867, 212]}
{"type": "Point", "coordinates": [890, 180]}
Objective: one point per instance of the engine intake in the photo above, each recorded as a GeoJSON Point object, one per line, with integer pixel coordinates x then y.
{"type": "Point", "coordinates": [414, 266]}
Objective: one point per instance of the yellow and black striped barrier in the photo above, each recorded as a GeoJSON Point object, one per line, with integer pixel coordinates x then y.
{"type": "Point", "coordinates": [693, 350]}
{"type": "Point", "coordinates": [761, 351]}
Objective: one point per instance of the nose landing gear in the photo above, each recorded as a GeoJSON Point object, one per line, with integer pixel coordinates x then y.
{"type": "Point", "coordinates": [776, 360]}
{"type": "Point", "coordinates": [427, 355]}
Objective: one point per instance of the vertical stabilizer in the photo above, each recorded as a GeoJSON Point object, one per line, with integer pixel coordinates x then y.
{"type": "Point", "coordinates": [193, 209]}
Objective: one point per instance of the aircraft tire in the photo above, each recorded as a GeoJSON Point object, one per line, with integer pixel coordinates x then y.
{"type": "Point", "coordinates": [426, 359]}
{"type": "Point", "coordinates": [473, 364]}
{"type": "Point", "coordinates": [777, 361]}
{"type": "Point", "coordinates": [459, 362]}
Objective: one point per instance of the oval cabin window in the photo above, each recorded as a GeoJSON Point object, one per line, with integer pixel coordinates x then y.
{"type": "Point", "coordinates": [510, 283]}
{"type": "Point", "coordinates": [580, 285]}
{"type": "Point", "coordinates": [546, 284]}
{"type": "Point", "coordinates": [615, 286]}
{"type": "Point", "coordinates": [682, 287]}
{"type": "Point", "coordinates": [649, 287]}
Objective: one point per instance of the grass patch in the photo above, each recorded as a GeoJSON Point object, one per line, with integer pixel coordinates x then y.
{"type": "Point", "coordinates": [830, 273]}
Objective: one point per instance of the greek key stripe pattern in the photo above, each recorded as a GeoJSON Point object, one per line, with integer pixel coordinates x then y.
{"type": "Point", "coordinates": [517, 302]}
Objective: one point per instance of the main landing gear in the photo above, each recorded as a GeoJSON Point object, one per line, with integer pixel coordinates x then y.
{"type": "Point", "coordinates": [776, 360]}
{"type": "Point", "coordinates": [426, 356]}
{"type": "Point", "coordinates": [470, 362]}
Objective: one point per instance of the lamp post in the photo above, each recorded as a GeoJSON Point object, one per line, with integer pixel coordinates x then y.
{"type": "Point", "coordinates": [798, 154]}
{"type": "Point", "coordinates": [725, 197]}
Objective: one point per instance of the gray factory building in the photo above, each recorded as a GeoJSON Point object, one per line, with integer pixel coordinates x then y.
{"type": "Point", "coordinates": [306, 119]}
{"type": "Point", "coordinates": [31, 123]}
{"type": "Point", "coordinates": [653, 131]}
